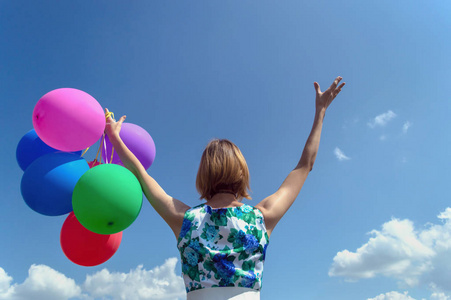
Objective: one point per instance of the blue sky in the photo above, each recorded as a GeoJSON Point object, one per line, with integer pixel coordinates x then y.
{"type": "Point", "coordinates": [371, 221]}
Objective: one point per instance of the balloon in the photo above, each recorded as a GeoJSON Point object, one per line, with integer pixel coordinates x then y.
{"type": "Point", "coordinates": [48, 182]}
{"type": "Point", "coordinates": [85, 247]}
{"type": "Point", "coordinates": [107, 199]}
{"type": "Point", "coordinates": [137, 140]}
{"type": "Point", "coordinates": [68, 119]}
{"type": "Point", "coordinates": [31, 147]}
{"type": "Point", "coordinates": [93, 163]}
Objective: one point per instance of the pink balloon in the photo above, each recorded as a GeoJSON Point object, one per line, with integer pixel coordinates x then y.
{"type": "Point", "coordinates": [85, 247]}
{"type": "Point", "coordinates": [68, 119]}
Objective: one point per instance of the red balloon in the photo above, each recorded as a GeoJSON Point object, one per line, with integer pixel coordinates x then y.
{"type": "Point", "coordinates": [94, 163]}
{"type": "Point", "coordinates": [85, 247]}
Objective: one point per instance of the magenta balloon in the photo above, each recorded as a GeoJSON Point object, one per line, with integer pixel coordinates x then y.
{"type": "Point", "coordinates": [68, 119]}
{"type": "Point", "coordinates": [137, 140]}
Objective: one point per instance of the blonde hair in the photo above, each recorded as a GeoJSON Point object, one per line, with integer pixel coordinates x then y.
{"type": "Point", "coordinates": [222, 169]}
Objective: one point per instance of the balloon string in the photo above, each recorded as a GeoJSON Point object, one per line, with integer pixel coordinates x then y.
{"type": "Point", "coordinates": [112, 152]}
{"type": "Point", "coordinates": [98, 151]}
{"type": "Point", "coordinates": [107, 115]}
{"type": "Point", "coordinates": [84, 152]}
{"type": "Point", "coordinates": [106, 153]}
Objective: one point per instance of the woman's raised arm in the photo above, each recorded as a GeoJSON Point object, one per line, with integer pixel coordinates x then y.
{"type": "Point", "coordinates": [276, 205]}
{"type": "Point", "coordinates": [170, 209]}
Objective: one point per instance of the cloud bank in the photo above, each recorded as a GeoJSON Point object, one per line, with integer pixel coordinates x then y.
{"type": "Point", "coordinates": [404, 296]}
{"type": "Point", "coordinates": [393, 296]}
{"type": "Point", "coordinates": [412, 256]}
{"type": "Point", "coordinates": [46, 283]}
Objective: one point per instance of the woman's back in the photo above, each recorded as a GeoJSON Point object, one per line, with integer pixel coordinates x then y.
{"type": "Point", "coordinates": [223, 247]}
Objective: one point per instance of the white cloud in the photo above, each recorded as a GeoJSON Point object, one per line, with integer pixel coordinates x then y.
{"type": "Point", "coordinates": [159, 283]}
{"type": "Point", "coordinates": [413, 257]}
{"type": "Point", "coordinates": [404, 296]}
{"type": "Point", "coordinates": [439, 296]}
{"type": "Point", "coordinates": [5, 285]}
{"type": "Point", "coordinates": [393, 296]}
{"type": "Point", "coordinates": [44, 282]}
{"type": "Point", "coordinates": [382, 119]}
{"type": "Point", "coordinates": [340, 155]}
{"type": "Point", "coordinates": [393, 252]}
{"type": "Point", "coordinates": [406, 126]}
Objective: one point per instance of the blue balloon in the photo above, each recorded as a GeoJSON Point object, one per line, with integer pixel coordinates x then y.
{"type": "Point", "coordinates": [31, 147]}
{"type": "Point", "coordinates": [49, 181]}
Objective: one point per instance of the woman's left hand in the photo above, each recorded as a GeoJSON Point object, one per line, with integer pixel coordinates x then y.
{"type": "Point", "coordinates": [112, 128]}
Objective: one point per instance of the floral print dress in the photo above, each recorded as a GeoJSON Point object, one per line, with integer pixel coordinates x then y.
{"type": "Point", "coordinates": [223, 247]}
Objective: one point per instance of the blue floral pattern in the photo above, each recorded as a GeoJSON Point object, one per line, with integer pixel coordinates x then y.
{"type": "Point", "coordinates": [222, 247]}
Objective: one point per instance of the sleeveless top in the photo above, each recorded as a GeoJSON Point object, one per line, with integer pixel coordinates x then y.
{"type": "Point", "coordinates": [222, 247]}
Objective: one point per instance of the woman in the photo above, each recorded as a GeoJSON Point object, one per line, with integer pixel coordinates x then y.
{"type": "Point", "coordinates": [223, 241]}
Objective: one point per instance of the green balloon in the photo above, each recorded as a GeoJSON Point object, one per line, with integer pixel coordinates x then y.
{"type": "Point", "coordinates": [107, 199]}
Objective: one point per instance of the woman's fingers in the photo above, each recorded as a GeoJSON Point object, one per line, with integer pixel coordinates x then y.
{"type": "Point", "coordinates": [335, 83]}
{"type": "Point", "coordinates": [317, 88]}
{"type": "Point", "coordinates": [122, 119]}
{"type": "Point", "coordinates": [110, 116]}
{"type": "Point", "coordinates": [107, 113]}
{"type": "Point", "coordinates": [338, 89]}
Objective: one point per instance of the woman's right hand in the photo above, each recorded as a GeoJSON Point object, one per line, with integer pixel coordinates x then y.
{"type": "Point", "coordinates": [324, 99]}
{"type": "Point", "coordinates": [112, 128]}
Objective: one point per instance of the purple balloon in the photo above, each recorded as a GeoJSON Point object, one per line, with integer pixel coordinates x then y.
{"type": "Point", "coordinates": [137, 140]}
